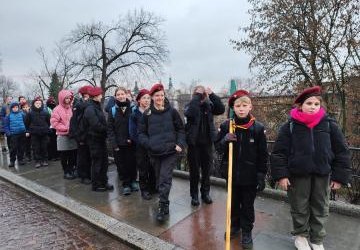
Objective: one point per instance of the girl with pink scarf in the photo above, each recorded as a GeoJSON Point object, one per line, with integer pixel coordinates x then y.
{"type": "Point", "coordinates": [310, 157]}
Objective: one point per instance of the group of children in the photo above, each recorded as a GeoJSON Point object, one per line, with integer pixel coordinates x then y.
{"type": "Point", "coordinates": [147, 135]}
{"type": "Point", "coordinates": [27, 129]}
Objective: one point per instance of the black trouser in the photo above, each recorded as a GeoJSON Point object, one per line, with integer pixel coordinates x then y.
{"type": "Point", "coordinates": [52, 146]}
{"type": "Point", "coordinates": [28, 147]}
{"type": "Point", "coordinates": [40, 147]}
{"type": "Point", "coordinates": [83, 161]}
{"type": "Point", "coordinates": [68, 160]}
{"type": "Point", "coordinates": [200, 156]}
{"type": "Point", "coordinates": [164, 167]}
{"type": "Point", "coordinates": [147, 179]}
{"type": "Point", "coordinates": [99, 161]}
{"type": "Point", "coordinates": [125, 163]}
{"type": "Point", "coordinates": [242, 207]}
{"type": "Point", "coordinates": [16, 145]}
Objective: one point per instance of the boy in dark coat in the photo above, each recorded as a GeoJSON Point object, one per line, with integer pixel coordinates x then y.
{"type": "Point", "coordinates": [38, 125]}
{"type": "Point", "coordinates": [200, 135]}
{"type": "Point", "coordinates": [249, 164]}
{"type": "Point", "coordinates": [95, 123]}
{"type": "Point", "coordinates": [27, 147]}
{"type": "Point", "coordinates": [78, 132]}
{"type": "Point", "coordinates": [161, 132]}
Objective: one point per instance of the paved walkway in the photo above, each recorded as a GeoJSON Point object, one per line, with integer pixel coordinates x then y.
{"type": "Point", "coordinates": [189, 227]}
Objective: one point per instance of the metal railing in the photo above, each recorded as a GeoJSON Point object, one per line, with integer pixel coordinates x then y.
{"type": "Point", "coordinates": [351, 193]}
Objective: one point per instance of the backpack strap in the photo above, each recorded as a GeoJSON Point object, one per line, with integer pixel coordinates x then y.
{"type": "Point", "coordinates": [113, 111]}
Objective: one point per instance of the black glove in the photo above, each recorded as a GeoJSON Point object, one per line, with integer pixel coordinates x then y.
{"type": "Point", "coordinates": [229, 137]}
{"type": "Point", "coordinates": [260, 182]}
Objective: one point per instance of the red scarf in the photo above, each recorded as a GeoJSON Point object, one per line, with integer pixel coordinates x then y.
{"type": "Point", "coordinates": [245, 126]}
{"type": "Point", "coordinates": [310, 120]}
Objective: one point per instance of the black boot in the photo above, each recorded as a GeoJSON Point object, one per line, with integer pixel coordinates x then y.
{"type": "Point", "coordinates": [195, 200]}
{"type": "Point", "coordinates": [246, 240]}
{"type": "Point", "coordinates": [206, 198]}
{"type": "Point", "coordinates": [163, 211]}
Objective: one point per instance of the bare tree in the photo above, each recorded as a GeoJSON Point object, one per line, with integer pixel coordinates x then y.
{"type": "Point", "coordinates": [7, 86]}
{"type": "Point", "coordinates": [59, 63]}
{"type": "Point", "coordinates": [304, 43]}
{"type": "Point", "coordinates": [135, 44]}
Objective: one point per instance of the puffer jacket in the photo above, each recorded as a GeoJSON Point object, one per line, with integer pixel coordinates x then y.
{"type": "Point", "coordinates": [161, 130]}
{"type": "Point", "coordinates": [37, 121]}
{"type": "Point", "coordinates": [62, 113]}
{"type": "Point", "coordinates": [301, 151]}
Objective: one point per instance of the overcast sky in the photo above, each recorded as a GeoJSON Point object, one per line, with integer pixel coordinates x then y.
{"type": "Point", "coordinates": [197, 31]}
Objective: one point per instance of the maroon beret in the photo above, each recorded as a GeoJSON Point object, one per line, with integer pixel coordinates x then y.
{"type": "Point", "coordinates": [141, 93]}
{"type": "Point", "coordinates": [237, 94]}
{"type": "Point", "coordinates": [84, 89]}
{"type": "Point", "coordinates": [51, 100]}
{"type": "Point", "coordinates": [95, 91]}
{"type": "Point", "coordinates": [38, 98]}
{"type": "Point", "coordinates": [157, 87]}
{"type": "Point", "coordinates": [308, 92]}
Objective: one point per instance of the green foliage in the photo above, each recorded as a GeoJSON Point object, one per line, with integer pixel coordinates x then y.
{"type": "Point", "coordinates": [55, 86]}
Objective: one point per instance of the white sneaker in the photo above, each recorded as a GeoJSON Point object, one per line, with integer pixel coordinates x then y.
{"type": "Point", "coordinates": [317, 247]}
{"type": "Point", "coordinates": [301, 243]}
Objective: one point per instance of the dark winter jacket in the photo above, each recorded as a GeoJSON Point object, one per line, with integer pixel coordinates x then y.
{"type": "Point", "coordinates": [301, 151]}
{"type": "Point", "coordinates": [161, 130]}
{"type": "Point", "coordinates": [134, 123]}
{"type": "Point", "coordinates": [95, 121]}
{"type": "Point", "coordinates": [195, 110]}
{"type": "Point", "coordinates": [37, 121]}
{"type": "Point", "coordinates": [76, 130]}
{"type": "Point", "coordinates": [118, 125]}
{"type": "Point", "coordinates": [249, 153]}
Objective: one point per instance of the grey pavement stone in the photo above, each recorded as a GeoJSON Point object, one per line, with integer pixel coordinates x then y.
{"type": "Point", "coordinates": [126, 233]}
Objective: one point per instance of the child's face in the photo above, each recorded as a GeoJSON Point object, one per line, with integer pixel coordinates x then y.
{"type": "Point", "coordinates": [37, 104]}
{"type": "Point", "coordinates": [67, 100]}
{"type": "Point", "coordinates": [26, 108]}
{"type": "Point", "coordinates": [242, 108]}
{"type": "Point", "coordinates": [311, 105]}
{"type": "Point", "coordinates": [15, 109]}
{"type": "Point", "coordinates": [159, 98]}
{"type": "Point", "coordinates": [144, 101]}
{"type": "Point", "coordinates": [22, 99]}
{"type": "Point", "coordinates": [120, 95]}
{"type": "Point", "coordinates": [98, 98]}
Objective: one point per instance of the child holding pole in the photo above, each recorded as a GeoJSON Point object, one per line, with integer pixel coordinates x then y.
{"type": "Point", "coordinates": [248, 164]}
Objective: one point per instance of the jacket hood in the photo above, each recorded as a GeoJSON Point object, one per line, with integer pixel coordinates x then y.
{"type": "Point", "coordinates": [62, 95]}
{"type": "Point", "coordinates": [13, 104]}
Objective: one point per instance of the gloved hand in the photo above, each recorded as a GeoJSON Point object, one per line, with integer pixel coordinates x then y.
{"type": "Point", "coordinates": [229, 137]}
{"type": "Point", "coordinates": [260, 182]}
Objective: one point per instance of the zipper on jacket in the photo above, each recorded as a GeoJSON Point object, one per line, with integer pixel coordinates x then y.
{"type": "Point", "coordinates": [312, 140]}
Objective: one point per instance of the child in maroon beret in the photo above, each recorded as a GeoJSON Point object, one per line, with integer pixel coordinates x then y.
{"type": "Point", "coordinates": [249, 163]}
{"type": "Point", "coordinates": [310, 157]}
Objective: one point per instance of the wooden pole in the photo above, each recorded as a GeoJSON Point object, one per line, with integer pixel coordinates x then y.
{"type": "Point", "coordinates": [229, 191]}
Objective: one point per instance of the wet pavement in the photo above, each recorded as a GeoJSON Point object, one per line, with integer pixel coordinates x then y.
{"type": "Point", "coordinates": [30, 223]}
{"type": "Point", "coordinates": [188, 227]}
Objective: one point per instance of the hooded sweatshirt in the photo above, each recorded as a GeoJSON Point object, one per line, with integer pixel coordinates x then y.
{"type": "Point", "coordinates": [62, 113]}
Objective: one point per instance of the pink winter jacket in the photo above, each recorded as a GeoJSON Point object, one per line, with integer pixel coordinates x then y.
{"type": "Point", "coordinates": [60, 117]}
